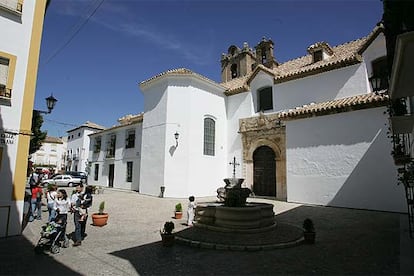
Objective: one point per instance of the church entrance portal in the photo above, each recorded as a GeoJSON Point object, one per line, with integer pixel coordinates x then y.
{"type": "Point", "coordinates": [264, 172]}
{"type": "Point", "coordinates": [264, 155]}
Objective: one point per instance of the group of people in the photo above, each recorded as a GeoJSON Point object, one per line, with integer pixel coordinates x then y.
{"type": "Point", "coordinates": [59, 205]}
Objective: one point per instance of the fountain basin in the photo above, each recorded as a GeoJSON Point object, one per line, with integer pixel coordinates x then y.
{"type": "Point", "coordinates": [252, 218]}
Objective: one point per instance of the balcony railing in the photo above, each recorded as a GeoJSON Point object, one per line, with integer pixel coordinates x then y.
{"type": "Point", "coordinates": [402, 147]}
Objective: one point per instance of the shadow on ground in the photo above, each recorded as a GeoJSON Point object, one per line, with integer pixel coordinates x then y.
{"type": "Point", "coordinates": [17, 257]}
{"type": "Point", "coordinates": [348, 242]}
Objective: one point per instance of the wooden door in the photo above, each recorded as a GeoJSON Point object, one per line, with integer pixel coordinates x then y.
{"type": "Point", "coordinates": [111, 175]}
{"type": "Point", "coordinates": [264, 172]}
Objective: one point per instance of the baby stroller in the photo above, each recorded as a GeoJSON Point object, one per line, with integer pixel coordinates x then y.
{"type": "Point", "coordinates": [52, 237]}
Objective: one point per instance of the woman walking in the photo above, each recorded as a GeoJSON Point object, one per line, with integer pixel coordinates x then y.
{"type": "Point", "coordinates": [51, 197]}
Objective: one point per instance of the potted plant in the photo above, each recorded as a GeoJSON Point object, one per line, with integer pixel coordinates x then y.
{"type": "Point", "coordinates": [309, 231]}
{"type": "Point", "coordinates": [178, 211]}
{"type": "Point", "coordinates": [100, 218]}
{"type": "Point", "coordinates": [167, 235]}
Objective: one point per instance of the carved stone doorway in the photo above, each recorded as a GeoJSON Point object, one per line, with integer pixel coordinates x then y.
{"type": "Point", "coordinates": [264, 172]}
{"type": "Point", "coordinates": [264, 133]}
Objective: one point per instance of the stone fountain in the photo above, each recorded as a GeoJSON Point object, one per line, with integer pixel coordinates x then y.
{"type": "Point", "coordinates": [232, 213]}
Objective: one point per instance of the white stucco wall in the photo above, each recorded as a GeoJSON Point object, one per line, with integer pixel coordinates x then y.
{"type": "Point", "coordinates": [343, 160]}
{"type": "Point", "coordinates": [181, 107]}
{"type": "Point", "coordinates": [153, 140]}
{"type": "Point", "coordinates": [15, 31]}
{"type": "Point", "coordinates": [122, 156]}
{"type": "Point", "coordinates": [335, 84]}
{"type": "Point", "coordinates": [188, 170]}
{"type": "Point", "coordinates": [238, 106]}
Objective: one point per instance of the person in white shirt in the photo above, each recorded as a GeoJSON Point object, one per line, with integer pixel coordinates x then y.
{"type": "Point", "coordinates": [61, 205]}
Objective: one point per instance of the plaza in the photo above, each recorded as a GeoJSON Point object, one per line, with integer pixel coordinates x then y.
{"type": "Point", "coordinates": [349, 241]}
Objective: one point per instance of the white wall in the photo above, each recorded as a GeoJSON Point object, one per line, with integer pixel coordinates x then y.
{"type": "Point", "coordinates": [238, 106]}
{"type": "Point", "coordinates": [153, 140]}
{"type": "Point", "coordinates": [180, 104]}
{"type": "Point", "coordinates": [122, 156]}
{"type": "Point", "coordinates": [188, 170]}
{"type": "Point", "coordinates": [336, 84]}
{"type": "Point", "coordinates": [343, 160]}
{"type": "Point", "coordinates": [15, 33]}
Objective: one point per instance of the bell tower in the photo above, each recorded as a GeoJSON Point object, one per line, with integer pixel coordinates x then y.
{"type": "Point", "coordinates": [264, 53]}
{"type": "Point", "coordinates": [237, 62]}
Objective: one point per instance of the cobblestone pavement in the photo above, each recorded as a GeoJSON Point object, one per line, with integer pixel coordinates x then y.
{"type": "Point", "coordinates": [348, 242]}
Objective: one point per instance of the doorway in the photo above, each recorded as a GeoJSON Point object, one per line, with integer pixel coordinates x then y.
{"type": "Point", "coordinates": [111, 175]}
{"type": "Point", "coordinates": [264, 172]}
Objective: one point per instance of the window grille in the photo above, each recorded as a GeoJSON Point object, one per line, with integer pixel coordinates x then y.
{"type": "Point", "coordinates": [209, 136]}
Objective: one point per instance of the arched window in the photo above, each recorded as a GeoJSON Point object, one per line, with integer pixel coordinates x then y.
{"type": "Point", "coordinates": [264, 99]}
{"type": "Point", "coordinates": [233, 71]}
{"type": "Point", "coordinates": [209, 136]}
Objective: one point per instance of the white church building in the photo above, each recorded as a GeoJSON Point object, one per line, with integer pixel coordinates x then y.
{"type": "Point", "coordinates": [310, 130]}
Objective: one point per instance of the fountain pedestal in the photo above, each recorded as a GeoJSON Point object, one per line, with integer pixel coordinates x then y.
{"type": "Point", "coordinates": [233, 214]}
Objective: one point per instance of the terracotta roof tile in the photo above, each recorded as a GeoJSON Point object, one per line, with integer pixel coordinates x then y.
{"type": "Point", "coordinates": [55, 140]}
{"type": "Point", "coordinates": [336, 106]}
{"type": "Point", "coordinates": [176, 72]}
{"type": "Point", "coordinates": [342, 55]}
{"type": "Point", "coordinates": [88, 125]}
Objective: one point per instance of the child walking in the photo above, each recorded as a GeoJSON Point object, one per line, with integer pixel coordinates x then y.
{"type": "Point", "coordinates": [191, 210]}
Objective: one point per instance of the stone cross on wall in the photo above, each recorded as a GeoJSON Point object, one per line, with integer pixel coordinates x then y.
{"type": "Point", "coordinates": [234, 164]}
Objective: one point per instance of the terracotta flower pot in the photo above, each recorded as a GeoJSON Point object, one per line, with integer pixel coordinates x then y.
{"type": "Point", "coordinates": [100, 219]}
{"type": "Point", "coordinates": [167, 239]}
{"type": "Point", "coordinates": [309, 237]}
{"type": "Point", "coordinates": [178, 215]}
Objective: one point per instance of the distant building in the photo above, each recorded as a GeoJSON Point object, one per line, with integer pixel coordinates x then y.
{"type": "Point", "coordinates": [51, 154]}
{"type": "Point", "coordinates": [78, 146]}
{"type": "Point", "coordinates": [114, 154]}
{"type": "Point", "coordinates": [310, 130]}
{"type": "Point", "coordinates": [21, 26]}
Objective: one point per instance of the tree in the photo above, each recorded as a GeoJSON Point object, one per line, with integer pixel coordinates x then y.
{"type": "Point", "coordinates": [38, 136]}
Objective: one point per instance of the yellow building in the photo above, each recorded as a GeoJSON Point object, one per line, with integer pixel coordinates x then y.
{"type": "Point", "coordinates": [21, 25]}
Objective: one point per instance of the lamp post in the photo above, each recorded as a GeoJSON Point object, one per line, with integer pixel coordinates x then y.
{"type": "Point", "coordinates": [50, 102]}
{"type": "Point", "coordinates": [176, 135]}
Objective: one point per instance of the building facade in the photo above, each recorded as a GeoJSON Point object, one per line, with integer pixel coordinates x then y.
{"type": "Point", "coordinates": [115, 154]}
{"type": "Point", "coordinates": [399, 32]}
{"type": "Point", "coordinates": [310, 130]}
{"type": "Point", "coordinates": [21, 25]}
{"type": "Point", "coordinates": [78, 147]}
{"type": "Point", "coordinates": [52, 154]}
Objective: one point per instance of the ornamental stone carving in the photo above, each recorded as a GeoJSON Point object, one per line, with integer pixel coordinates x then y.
{"type": "Point", "coordinates": [270, 131]}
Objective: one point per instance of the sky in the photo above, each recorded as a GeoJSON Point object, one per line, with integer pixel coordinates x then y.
{"type": "Point", "coordinates": [94, 53]}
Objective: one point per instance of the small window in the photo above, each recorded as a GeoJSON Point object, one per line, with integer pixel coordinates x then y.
{"type": "Point", "coordinates": [97, 146]}
{"type": "Point", "coordinates": [233, 70]}
{"type": "Point", "coordinates": [110, 149]}
{"type": "Point", "coordinates": [317, 56]}
{"type": "Point", "coordinates": [96, 172]}
{"type": "Point", "coordinates": [265, 99]}
{"type": "Point", "coordinates": [264, 59]}
{"type": "Point", "coordinates": [209, 136]}
{"type": "Point", "coordinates": [129, 172]}
{"type": "Point", "coordinates": [4, 72]}
{"type": "Point", "coordinates": [79, 134]}
{"type": "Point", "coordinates": [130, 139]}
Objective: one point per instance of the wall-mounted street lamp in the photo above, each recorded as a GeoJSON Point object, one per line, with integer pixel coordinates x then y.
{"type": "Point", "coordinates": [50, 102]}
{"type": "Point", "coordinates": [375, 83]}
{"type": "Point", "coordinates": [176, 135]}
